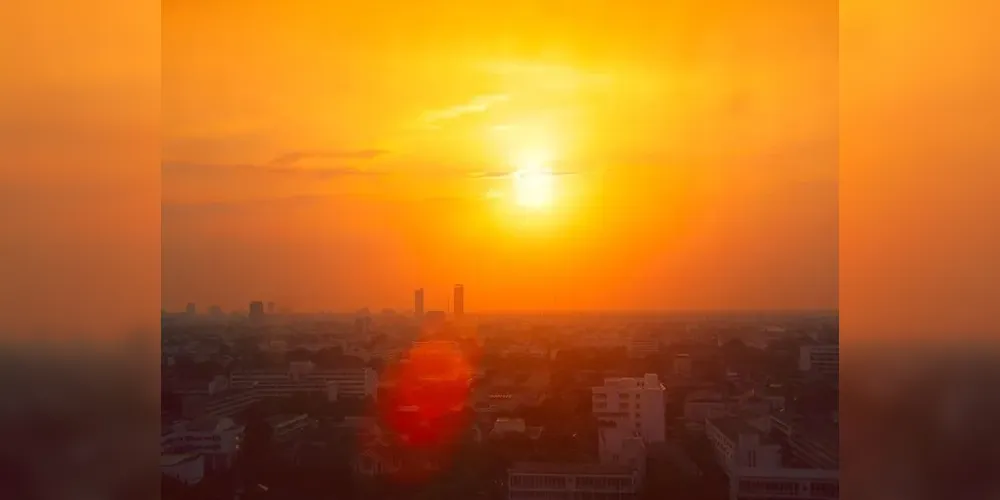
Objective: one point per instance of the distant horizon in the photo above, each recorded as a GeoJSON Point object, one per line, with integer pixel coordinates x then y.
{"type": "Point", "coordinates": [378, 310]}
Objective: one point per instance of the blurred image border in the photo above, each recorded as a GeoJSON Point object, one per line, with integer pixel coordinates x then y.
{"type": "Point", "coordinates": [80, 411]}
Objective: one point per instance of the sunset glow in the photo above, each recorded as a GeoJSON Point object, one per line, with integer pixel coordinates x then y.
{"type": "Point", "coordinates": [534, 187]}
{"type": "Point", "coordinates": [448, 143]}
{"type": "Point", "coordinates": [534, 183]}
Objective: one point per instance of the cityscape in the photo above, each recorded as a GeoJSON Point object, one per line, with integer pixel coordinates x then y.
{"type": "Point", "coordinates": [448, 404]}
{"type": "Point", "coordinates": [500, 251]}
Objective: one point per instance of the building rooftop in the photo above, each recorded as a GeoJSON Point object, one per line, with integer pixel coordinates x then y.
{"type": "Point", "coordinates": [570, 468]}
{"type": "Point", "coordinates": [284, 418]}
{"type": "Point", "coordinates": [171, 460]}
{"type": "Point", "coordinates": [788, 473]}
{"type": "Point", "coordinates": [733, 427]}
{"type": "Point", "coordinates": [210, 424]}
{"type": "Point", "coordinates": [822, 432]}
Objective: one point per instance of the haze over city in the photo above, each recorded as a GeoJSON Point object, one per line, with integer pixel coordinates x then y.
{"type": "Point", "coordinates": [664, 158]}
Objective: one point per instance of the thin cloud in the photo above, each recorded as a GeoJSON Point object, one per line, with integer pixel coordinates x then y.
{"type": "Point", "coordinates": [173, 209]}
{"type": "Point", "coordinates": [204, 169]}
{"type": "Point", "coordinates": [355, 154]}
{"type": "Point", "coordinates": [479, 104]}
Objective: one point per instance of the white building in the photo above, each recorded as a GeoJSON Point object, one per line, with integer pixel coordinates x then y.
{"type": "Point", "coordinates": [814, 443]}
{"type": "Point", "coordinates": [632, 404]}
{"type": "Point", "coordinates": [823, 359]}
{"type": "Point", "coordinates": [784, 483]}
{"type": "Point", "coordinates": [753, 464]}
{"type": "Point", "coordinates": [188, 468]}
{"type": "Point", "coordinates": [305, 377]}
{"type": "Point", "coordinates": [739, 444]}
{"type": "Point", "coordinates": [578, 481]}
{"type": "Point", "coordinates": [217, 439]}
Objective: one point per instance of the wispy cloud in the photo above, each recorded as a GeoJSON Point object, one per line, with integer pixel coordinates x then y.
{"type": "Point", "coordinates": [172, 209]}
{"type": "Point", "coordinates": [294, 157]}
{"type": "Point", "coordinates": [204, 169]}
{"type": "Point", "coordinates": [479, 104]}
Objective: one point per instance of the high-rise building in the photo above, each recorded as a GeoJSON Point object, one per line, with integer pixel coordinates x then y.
{"type": "Point", "coordinates": [632, 404]}
{"type": "Point", "coordinates": [418, 302]}
{"type": "Point", "coordinates": [270, 307]}
{"type": "Point", "coordinates": [459, 300]}
{"type": "Point", "coordinates": [256, 309]}
{"type": "Point", "coordinates": [191, 309]}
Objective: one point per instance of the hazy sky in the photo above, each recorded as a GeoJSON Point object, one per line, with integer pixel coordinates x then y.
{"type": "Point", "coordinates": [339, 156]}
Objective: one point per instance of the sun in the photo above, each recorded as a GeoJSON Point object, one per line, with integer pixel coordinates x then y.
{"type": "Point", "coordinates": [533, 183]}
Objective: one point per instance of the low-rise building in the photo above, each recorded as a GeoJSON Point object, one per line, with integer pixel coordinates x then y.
{"type": "Point", "coordinates": [784, 484]}
{"type": "Point", "coordinates": [188, 468]}
{"type": "Point", "coordinates": [700, 406]}
{"type": "Point", "coordinates": [811, 442]}
{"type": "Point", "coordinates": [753, 463]}
{"type": "Point", "coordinates": [225, 404]}
{"type": "Point", "coordinates": [566, 481]}
{"type": "Point", "coordinates": [217, 439]}
{"type": "Point", "coordinates": [286, 427]}
{"type": "Point", "coordinates": [739, 444]}
{"type": "Point", "coordinates": [820, 359]}
{"type": "Point", "coordinates": [618, 447]}
{"type": "Point", "coordinates": [306, 378]}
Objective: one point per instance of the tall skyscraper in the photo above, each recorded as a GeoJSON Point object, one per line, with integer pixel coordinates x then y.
{"type": "Point", "coordinates": [270, 307]}
{"type": "Point", "coordinates": [418, 302]}
{"type": "Point", "coordinates": [191, 309]}
{"type": "Point", "coordinates": [459, 300]}
{"type": "Point", "coordinates": [256, 309]}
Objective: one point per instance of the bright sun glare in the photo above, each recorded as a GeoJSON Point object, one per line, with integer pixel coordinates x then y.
{"type": "Point", "coordinates": [533, 182]}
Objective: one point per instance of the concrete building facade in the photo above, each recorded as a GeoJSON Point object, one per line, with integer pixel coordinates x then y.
{"type": "Point", "coordinates": [633, 405]}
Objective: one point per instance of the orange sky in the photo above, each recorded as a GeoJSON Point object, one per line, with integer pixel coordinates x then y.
{"type": "Point", "coordinates": [80, 183]}
{"type": "Point", "coordinates": [341, 154]}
